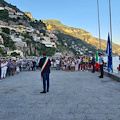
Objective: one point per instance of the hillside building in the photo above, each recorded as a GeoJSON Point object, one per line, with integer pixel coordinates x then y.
{"type": "Point", "coordinates": [11, 11]}
{"type": "Point", "coordinates": [1, 40]}
{"type": "Point", "coordinates": [13, 16]}
{"type": "Point", "coordinates": [7, 8]}
{"type": "Point", "coordinates": [17, 51]}
{"type": "Point", "coordinates": [2, 8]}
{"type": "Point", "coordinates": [19, 14]}
{"type": "Point", "coordinates": [47, 44]}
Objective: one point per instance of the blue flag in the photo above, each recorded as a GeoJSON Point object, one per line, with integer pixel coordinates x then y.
{"type": "Point", "coordinates": [109, 53]}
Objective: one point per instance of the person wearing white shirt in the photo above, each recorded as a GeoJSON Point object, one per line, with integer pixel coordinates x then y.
{"type": "Point", "coordinates": [101, 63]}
{"type": "Point", "coordinates": [3, 69]}
{"type": "Point", "coordinates": [72, 65]}
{"type": "Point", "coordinates": [57, 64]}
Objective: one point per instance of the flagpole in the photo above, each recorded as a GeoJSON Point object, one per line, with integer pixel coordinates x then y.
{"type": "Point", "coordinates": [99, 23]}
{"type": "Point", "coordinates": [110, 28]}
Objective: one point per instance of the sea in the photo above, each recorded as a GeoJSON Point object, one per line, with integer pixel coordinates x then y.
{"type": "Point", "coordinates": [116, 63]}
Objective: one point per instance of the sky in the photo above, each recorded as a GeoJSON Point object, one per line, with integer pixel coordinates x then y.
{"type": "Point", "coordinates": [76, 13]}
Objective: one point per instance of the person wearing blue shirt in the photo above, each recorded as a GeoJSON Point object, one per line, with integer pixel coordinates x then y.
{"type": "Point", "coordinates": [11, 66]}
{"type": "Point", "coordinates": [28, 65]}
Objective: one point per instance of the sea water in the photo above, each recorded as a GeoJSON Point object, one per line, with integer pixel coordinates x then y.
{"type": "Point", "coordinates": [116, 63]}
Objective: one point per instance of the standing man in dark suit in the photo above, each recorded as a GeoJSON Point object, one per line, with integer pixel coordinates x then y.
{"type": "Point", "coordinates": [45, 64]}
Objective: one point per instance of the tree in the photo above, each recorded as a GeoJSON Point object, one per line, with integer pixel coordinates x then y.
{"type": "Point", "coordinates": [6, 30]}
{"type": "Point", "coordinates": [14, 54]}
{"type": "Point", "coordinates": [4, 14]}
{"type": "Point", "coordinates": [8, 42]}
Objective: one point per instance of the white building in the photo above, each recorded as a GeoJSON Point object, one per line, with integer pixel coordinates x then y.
{"type": "Point", "coordinates": [11, 13]}
{"type": "Point", "coordinates": [47, 44]}
{"type": "Point", "coordinates": [2, 8]}
{"type": "Point", "coordinates": [19, 14]}
{"type": "Point", "coordinates": [13, 16]}
{"type": "Point", "coordinates": [7, 8]}
{"type": "Point", "coordinates": [35, 37]}
{"type": "Point", "coordinates": [2, 46]}
{"type": "Point", "coordinates": [17, 39]}
{"type": "Point", "coordinates": [1, 40]}
{"type": "Point", "coordinates": [57, 54]}
{"type": "Point", "coordinates": [17, 51]}
{"type": "Point", "coordinates": [31, 29]}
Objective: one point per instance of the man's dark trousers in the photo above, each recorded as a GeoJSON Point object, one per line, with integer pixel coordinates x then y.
{"type": "Point", "coordinates": [10, 71]}
{"type": "Point", "coordinates": [93, 68]}
{"type": "Point", "coordinates": [101, 70]}
{"type": "Point", "coordinates": [45, 77]}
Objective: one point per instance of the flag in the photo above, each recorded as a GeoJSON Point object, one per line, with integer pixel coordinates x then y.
{"type": "Point", "coordinates": [97, 64]}
{"type": "Point", "coordinates": [109, 53]}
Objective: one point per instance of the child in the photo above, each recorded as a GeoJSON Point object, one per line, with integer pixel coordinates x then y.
{"type": "Point", "coordinates": [18, 69]}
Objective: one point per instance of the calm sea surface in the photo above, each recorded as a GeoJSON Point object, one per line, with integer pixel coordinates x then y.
{"type": "Point", "coordinates": [116, 63]}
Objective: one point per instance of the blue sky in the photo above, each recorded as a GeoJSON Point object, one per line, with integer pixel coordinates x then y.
{"type": "Point", "coordinates": [76, 13]}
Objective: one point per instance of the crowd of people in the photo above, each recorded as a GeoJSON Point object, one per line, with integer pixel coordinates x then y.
{"type": "Point", "coordinates": [10, 67]}
{"type": "Point", "coordinates": [74, 63]}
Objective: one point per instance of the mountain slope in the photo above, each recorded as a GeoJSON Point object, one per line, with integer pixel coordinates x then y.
{"type": "Point", "coordinates": [19, 32]}
{"type": "Point", "coordinates": [4, 3]}
{"type": "Point", "coordinates": [80, 34]}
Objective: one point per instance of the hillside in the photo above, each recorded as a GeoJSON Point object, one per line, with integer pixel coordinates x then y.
{"type": "Point", "coordinates": [79, 34]}
{"type": "Point", "coordinates": [4, 3]}
{"type": "Point", "coordinates": [19, 33]}
{"type": "Point", "coordinates": [29, 15]}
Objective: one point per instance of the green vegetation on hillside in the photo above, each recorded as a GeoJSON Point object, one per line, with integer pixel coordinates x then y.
{"type": "Point", "coordinates": [8, 42]}
{"type": "Point", "coordinates": [4, 14]}
{"type": "Point", "coordinates": [76, 45]}
{"type": "Point", "coordinates": [6, 30]}
{"type": "Point", "coordinates": [2, 52]}
{"type": "Point", "coordinates": [14, 54]}
{"type": "Point", "coordinates": [4, 3]}
{"type": "Point", "coordinates": [79, 34]}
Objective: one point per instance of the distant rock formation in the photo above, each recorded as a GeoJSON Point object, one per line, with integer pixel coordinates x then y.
{"type": "Point", "coordinates": [29, 15]}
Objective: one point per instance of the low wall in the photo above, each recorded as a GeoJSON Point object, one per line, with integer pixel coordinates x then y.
{"type": "Point", "coordinates": [113, 76]}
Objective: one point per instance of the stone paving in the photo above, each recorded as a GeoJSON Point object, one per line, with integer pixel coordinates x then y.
{"type": "Point", "coordinates": [72, 96]}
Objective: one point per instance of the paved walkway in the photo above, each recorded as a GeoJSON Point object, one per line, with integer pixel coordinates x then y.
{"type": "Point", "coordinates": [72, 96]}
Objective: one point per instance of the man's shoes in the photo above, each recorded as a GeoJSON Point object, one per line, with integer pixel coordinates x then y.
{"type": "Point", "coordinates": [47, 90]}
{"type": "Point", "coordinates": [43, 92]}
{"type": "Point", "coordinates": [100, 77]}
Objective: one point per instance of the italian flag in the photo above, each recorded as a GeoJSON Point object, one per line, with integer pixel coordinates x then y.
{"type": "Point", "coordinates": [97, 64]}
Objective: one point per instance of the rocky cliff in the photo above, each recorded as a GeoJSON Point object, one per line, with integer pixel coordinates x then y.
{"type": "Point", "coordinates": [79, 34]}
{"type": "Point", "coordinates": [29, 15]}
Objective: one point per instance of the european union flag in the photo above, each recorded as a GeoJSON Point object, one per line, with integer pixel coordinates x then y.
{"type": "Point", "coordinates": [109, 53]}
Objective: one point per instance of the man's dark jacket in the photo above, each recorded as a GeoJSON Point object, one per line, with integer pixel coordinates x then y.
{"type": "Point", "coordinates": [47, 68]}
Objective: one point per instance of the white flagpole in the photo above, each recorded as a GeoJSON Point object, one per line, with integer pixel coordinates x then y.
{"type": "Point", "coordinates": [110, 28]}
{"type": "Point", "coordinates": [99, 23]}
